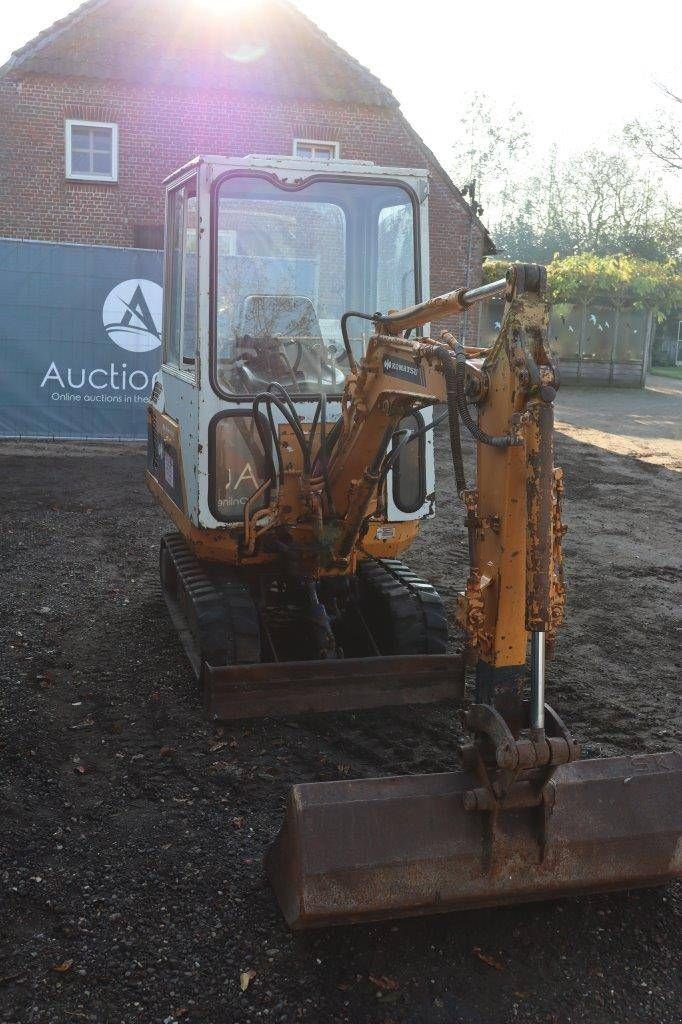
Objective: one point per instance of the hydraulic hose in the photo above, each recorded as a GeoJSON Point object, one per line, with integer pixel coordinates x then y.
{"type": "Point", "coordinates": [352, 362]}
{"type": "Point", "coordinates": [313, 425]}
{"type": "Point", "coordinates": [495, 441]}
{"type": "Point", "coordinates": [286, 397]}
{"type": "Point", "coordinates": [408, 438]}
{"type": "Point", "coordinates": [267, 444]}
{"type": "Point", "coordinates": [321, 416]}
{"type": "Point", "coordinates": [390, 458]}
{"type": "Point", "coordinates": [292, 420]}
{"type": "Point", "coordinates": [450, 374]}
{"type": "Point", "coordinates": [374, 468]}
{"type": "Point", "coordinates": [321, 460]}
{"type": "Point", "coordinates": [327, 445]}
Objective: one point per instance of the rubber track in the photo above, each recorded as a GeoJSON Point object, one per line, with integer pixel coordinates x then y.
{"type": "Point", "coordinates": [217, 608]}
{"type": "Point", "coordinates": [406, 612]}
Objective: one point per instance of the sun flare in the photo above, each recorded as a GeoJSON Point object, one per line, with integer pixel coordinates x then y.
{"type": "Point", "coordinates": [227, 6]}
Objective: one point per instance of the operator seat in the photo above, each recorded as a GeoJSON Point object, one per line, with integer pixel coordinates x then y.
{"type": "Point", "coordinates": [279, 338]}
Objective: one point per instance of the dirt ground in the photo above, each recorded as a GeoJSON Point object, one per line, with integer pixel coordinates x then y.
{"type": "Point", "coordinates": [133, 831]}
{"type": "Point", "coordinates": [645, 424]}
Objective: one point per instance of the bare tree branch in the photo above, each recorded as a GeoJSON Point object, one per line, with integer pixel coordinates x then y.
{"type": "Point", "coordinates": [662, 138]}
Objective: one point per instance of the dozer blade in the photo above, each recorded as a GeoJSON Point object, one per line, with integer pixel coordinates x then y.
{"type": "Point", "coordinates": [404, 846]}
{"type": "Point", "coordinates": [294, 687]}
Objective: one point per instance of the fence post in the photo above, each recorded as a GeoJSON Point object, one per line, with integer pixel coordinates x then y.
{"type": "Point", "coordinates": [614, 343]}
{"type": "Point", "coordinates": [646, 355]}
{"type": "Point", "coordinates": [581, 343]}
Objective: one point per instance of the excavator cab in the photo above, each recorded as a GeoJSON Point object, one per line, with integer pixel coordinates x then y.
{"type": "Point", "coordinates": [264, 257]}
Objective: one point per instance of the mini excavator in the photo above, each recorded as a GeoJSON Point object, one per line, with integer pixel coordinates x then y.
{"type": "Point", "coordinates": [291, 443]}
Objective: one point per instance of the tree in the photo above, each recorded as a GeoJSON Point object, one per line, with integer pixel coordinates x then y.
{"type": "Point", "coordinates": [611, 280]}
{"type": "Point", "coordinates": [489, 143]}
{"type": "Point", "coordinates": [598, 201]}
{"type": "Point", "coordinates": [661, 139]}
{"type": "Point", "coordinates": [603, 200]}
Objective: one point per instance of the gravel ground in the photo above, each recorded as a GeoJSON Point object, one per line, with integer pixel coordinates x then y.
{"type": "Point", "coordinates": [133, 831]}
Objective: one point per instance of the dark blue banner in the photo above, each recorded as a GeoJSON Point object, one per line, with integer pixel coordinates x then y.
{"type": "Point", "coordinates": [80, 339]}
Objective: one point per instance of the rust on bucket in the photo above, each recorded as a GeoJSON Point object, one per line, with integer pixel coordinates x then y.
{"type": "Point", "coordinates": [369, 849]}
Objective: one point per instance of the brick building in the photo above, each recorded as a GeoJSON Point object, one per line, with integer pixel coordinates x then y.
{"type": "Point", "coordinates": [100, 107]}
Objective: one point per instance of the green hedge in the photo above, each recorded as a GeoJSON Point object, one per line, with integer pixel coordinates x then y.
{"type": "Point", "coordinates": [609, 280]}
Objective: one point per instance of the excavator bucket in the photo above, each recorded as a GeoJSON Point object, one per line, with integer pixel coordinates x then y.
{"type": "Point", "coordinates": [411, 845]}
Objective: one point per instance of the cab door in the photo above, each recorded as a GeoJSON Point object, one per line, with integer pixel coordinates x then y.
{"type": "Point", "coordinates": [174, 412]}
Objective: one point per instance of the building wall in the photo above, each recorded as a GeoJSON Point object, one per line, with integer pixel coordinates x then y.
{"type": "Point", "coordinates": [159, 130]}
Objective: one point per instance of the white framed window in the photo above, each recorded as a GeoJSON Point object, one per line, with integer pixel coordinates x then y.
{"type": "Point", "coordinates": [91, 149]}
{"type": "Point", "coordinates": [315, 149]}
{"type": "Point", "coordinates": [180, 330]}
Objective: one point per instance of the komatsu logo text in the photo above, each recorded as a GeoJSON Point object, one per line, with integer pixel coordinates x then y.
{"type": "Point", "coordinates": [403, 369]}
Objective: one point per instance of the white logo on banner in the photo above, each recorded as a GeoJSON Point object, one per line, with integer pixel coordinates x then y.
{"type": "Point", "coordinates": [132, 314]}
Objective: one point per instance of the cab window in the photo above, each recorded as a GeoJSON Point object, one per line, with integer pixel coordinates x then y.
{"type": "Point", "coordinates": [288, 264]}
{"type": "Point", "coordinates": [181, 278]}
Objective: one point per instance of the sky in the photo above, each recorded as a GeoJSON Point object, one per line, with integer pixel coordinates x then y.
{"type": "Point", "coordinates": [577, 70]}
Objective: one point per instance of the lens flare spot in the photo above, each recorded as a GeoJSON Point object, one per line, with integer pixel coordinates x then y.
{"type": "Point", "coordinates": [246, 52]}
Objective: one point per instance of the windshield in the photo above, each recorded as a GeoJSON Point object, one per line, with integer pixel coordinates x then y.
{"type": "Point", "coordinates": [290, 263]}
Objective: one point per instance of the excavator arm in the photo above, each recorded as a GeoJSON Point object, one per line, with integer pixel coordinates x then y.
{"type": "Point", "coordinates": [513, 518]}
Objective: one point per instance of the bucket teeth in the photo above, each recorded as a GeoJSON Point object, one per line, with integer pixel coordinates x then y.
{"type": "Point", "coordinates": [404, 846]}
